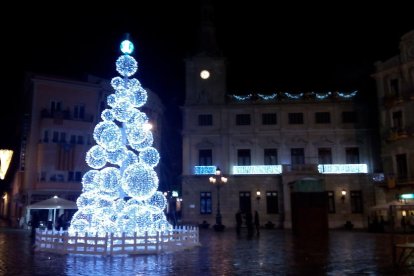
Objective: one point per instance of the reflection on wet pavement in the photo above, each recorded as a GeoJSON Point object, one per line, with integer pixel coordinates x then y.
{"type": "Point", "coordinates": [274, 252]}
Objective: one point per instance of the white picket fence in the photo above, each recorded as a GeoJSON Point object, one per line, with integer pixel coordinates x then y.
{"type": "Point", "coordinates": [181, 237]}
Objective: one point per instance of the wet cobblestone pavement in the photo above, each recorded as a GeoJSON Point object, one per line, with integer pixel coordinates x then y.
{"type": "Point", "coordinates": [274, 252]}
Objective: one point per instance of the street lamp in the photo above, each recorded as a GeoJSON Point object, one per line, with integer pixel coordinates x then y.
{"type": "Point", "coordinates": [218, 180]}
{"type": "Point", "coordinates": [343, 193]}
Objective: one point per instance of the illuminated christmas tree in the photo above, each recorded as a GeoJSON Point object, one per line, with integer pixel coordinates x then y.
{"type": "Point", "coordinates": [119, 193]}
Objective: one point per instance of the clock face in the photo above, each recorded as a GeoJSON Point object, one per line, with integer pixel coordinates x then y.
{"type": "Point", "coordinates": [204, 74]}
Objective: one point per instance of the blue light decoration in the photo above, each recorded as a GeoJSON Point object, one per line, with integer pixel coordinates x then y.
{"type": "Point", "coordinates": [242, 98]}
{"type": "Point", "coordinates": [342, 168]}
{"type": "Point", "coordinates": [347, 95]}
{"type": "Point", "coordinates": [268, 97]}
{"type": "Point", "coordinates": [202, 170]}
{"type": "Point", "coordinates": [322, 96]}
{"type": "Point", "coordinates": [294, 96]}
{"type": "Point", "coordinates": [119, 193]}
{"type": "Point", "coordinates": [258, 169]}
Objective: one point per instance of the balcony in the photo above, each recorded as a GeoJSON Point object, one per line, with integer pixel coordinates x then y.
{"type": "Point", "coordinates": [64, 115]}
{"type": "Point", "coordinates": [390, 101]}
{"type": "Point", "coordinates": [397, 134]}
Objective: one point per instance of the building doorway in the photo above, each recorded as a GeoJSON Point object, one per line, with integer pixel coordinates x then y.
{"type": "Point", "coordinates": [309, 203]}
{"type": "Point", "coordinates": [245, 203]}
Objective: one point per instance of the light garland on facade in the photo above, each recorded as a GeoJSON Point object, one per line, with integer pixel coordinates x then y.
{"type": "Point", "coordinates": [260, 169]}
{"type": "Point", "coordinates": [122, 197]}
{"type": "Point", "coordinates": [342, 168]}
{"type": "Point", "coordinates": [292, 96]}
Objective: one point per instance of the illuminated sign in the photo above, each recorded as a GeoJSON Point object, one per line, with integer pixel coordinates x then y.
{"type": "Point", "coordinates": [264, 169]}
{"type": "Point", "coordinates": [343, 168]}
{"type": "Point", "coordinates": [407, 196]}
{"type": "Point", "coordinates": [204, 170]}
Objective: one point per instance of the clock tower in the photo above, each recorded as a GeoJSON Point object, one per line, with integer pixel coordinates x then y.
{"type": "Point", "coordinates": [206, 70]}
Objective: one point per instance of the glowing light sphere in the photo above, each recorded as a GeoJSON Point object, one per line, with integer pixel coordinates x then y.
{"type": "Point", "coordinates": [149, 156]}
{"type": "Point", "coordinates": [140, 97]}
{"type": "Point", "coordinates": [138, 118]}
{"type": "Point", "coordinates": [118, 83]}
{"type": "Point", "coordinates": [123, 111]}
{"type": "Point", "coordinates": [136, 135]}
{"type": "Point", "coordinates": [111, 100]}
{"type": "Point", "coordinates": [86, 199]}
{"type": "Point", "coordinates": [148, 141]}
{"type": "Point", "coordinates": [139, 182]}
{"type": "Point", "coordinates": [90, 180]}
{"type": "Point", "coordinates": [127, 47]}
{"type": "Point", "coordinates": [158, 201]}
{"type": "Point", "coordinates": [109, 179]}
{"type": "Point", "coordinates": [126, 66]}
{"type": "Point", "coordinates": [118, 156]}
{"type": "Point", "coordinates": [96, 157]}
{"type": "Point", "coordinates": [130, 159]}
{"type": "Point", "coordinates": [107, 115]}
{"type": "Point", "coordinates": [108, 135]}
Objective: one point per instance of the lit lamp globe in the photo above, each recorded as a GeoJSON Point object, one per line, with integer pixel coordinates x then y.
{"type": "Point", "coordinates": [127, 47]}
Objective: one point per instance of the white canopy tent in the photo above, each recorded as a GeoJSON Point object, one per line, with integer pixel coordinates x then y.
{"type": "Point", "coordinates": [52, 204]}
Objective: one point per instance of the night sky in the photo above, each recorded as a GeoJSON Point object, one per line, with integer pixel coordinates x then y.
{"type": "Point", "coordinates": [269, 46]}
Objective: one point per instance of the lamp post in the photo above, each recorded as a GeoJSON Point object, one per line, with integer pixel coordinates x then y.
{"type": "Point", "coordinates": [343, 193]}
{"type": "Point", "coordinates": [218, 180]}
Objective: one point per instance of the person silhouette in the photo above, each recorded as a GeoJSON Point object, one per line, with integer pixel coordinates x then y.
{"type": "Point", "coordinates": [249, 223]}
{"type": "Point", "coordinates": [239, 221]}
{"type": "Point", "coordinates": [257, 222]}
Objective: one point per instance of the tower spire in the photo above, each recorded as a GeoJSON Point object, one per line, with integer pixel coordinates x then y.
{"type": "Point", "coordinates": [207, 34]}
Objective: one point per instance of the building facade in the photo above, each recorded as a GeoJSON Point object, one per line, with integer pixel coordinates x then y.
{"type": "Point", "coordinates": [395, 91]}
{"type": "Point", "coordinates": [57, 133]}
{"type": "Point", "coordinates": [270, 147]}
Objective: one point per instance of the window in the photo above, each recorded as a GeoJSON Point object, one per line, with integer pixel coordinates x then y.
{"type": "Point", "coordinates": [245, 203]}
{"type": "Point", "coordinates": [205, 157]}
{"type": "Point", "coordinates": [72, 139]}
{"type": "Point", "coordinates": [322, 117]}
{"type": "Point", "coordinates": [297, 156]}
{"type": "Point", "coordinates": [356, 202]}
{"type": "Point", "coordinates": [243, 157]}
{"type": "Point", "coordinates": [352, 155]}
{"type": "Point", "coordinates": [62, 137]}
{"type": "Point", "coordinates": [46, 136]}
{"type": "Point", "coordinates": [325, 156]}
{"type": "Point", "coordinates": [269, 119]}
{"type": "Point", "coordinates": [295, 118]}
{"type": "Point", "coordinates": [272, 202]}
{"type": "Point", "coordinates": [205, 203]}
{"type": "Point", "coordinates": [394, 87]}
{"type": "Point", "coordinates": [349, 117]}
{"type": "Point", "coordinates": [205, 120]}
{"type": "Point", "coordinates": [71, 176]}
{"type": "Point", "coordinates": [331, 202]}
{"type": "Point", "coordinates": [80, 140]}
{"type": "Point", "coordinates": [270, 156]}
{"type": "Point", "coordinates": [55, 138]}
{"type": "Point", "coordinates": [243, 119]}
{"type": "Point", "coordinates": [397, 122]}
{"type": "Point", "coordinates": [402, 170]}
{"type": "Point", "coordinates": [55, 106]}
{"type": "Point", "coordinates": [78, 176]}
{"type": "Point", "coordinates": [79, 111]}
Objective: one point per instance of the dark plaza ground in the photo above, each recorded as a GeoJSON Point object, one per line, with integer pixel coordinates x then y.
{"type": "Point", "coordinates": [273, 252]}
